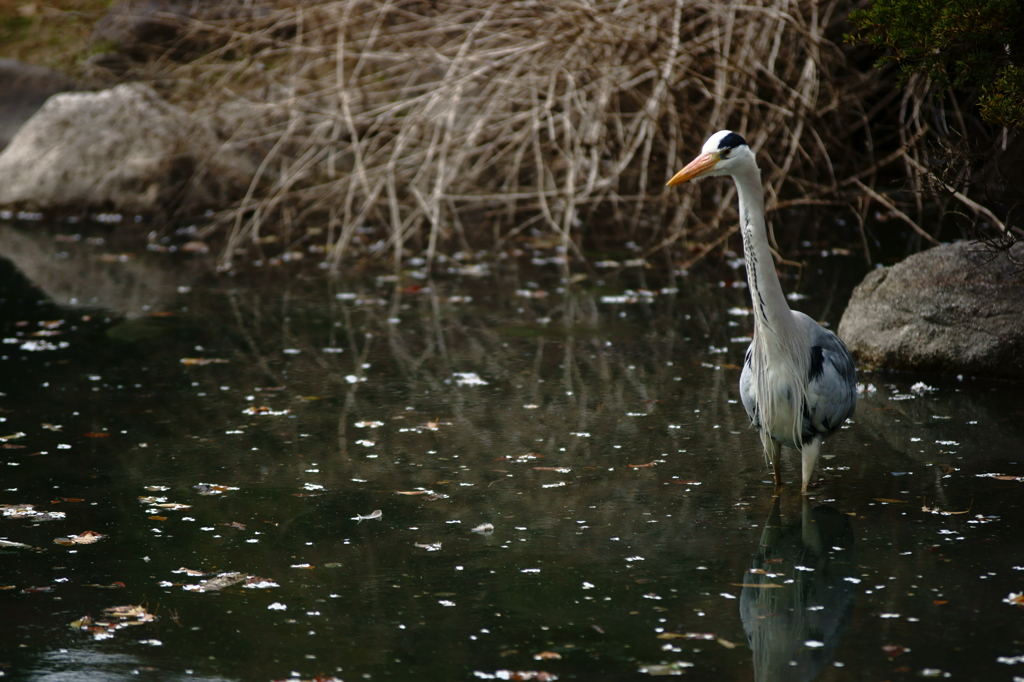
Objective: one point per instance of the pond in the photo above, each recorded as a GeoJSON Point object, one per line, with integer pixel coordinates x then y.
{"type": "Point", "coordinates": [504, 471]}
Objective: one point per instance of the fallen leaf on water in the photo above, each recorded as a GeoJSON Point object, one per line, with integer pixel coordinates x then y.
{"type": "Point", "coordinates": [212, 488]}
{"type": "Point", "coordinates": [35, 590]}
{"type": "Point", "coordinates": [483, 528]}
{"type": "Point", "coordinates": [375, 514]}
{"type": "Point", "coordinates": [666, 669]}
{"type": "Point", "coordinates": [189, 571]}
{"type": "Point", "coordinates": [173, 505]}
{"type": "Point", "coordinates": [116, 585]}
{"type": "Point", "coordinates": [547, 655]}
{"type": "Point", "coordinates": [519, 459]}
{"type": "Point", "coordinates": [12, 436]}
{"type": "Point", "coordinates": [264, 410]}
{"type": "Point", "coordinates": [72, 499]}
{"type": "Point", "coordinates": [10, 543]}
{"type": "Point", "coordinates": [1015, 599]}
{"type": "Point", "coordinates": [234, 524]}
{"type": "Point", "coordinates": [96, 434]}
{"type": "Point", "coordinates": [413, 492]}
{"type": "Point", "coordinates": [190, 362]}
{"type": "Point", "coordinates": [217, 583]}
{"type": "Point", "coordinates": [940, 602]}
{"type": "Point", "coordinates": [561, 470]}
{"type": "Point", "coordinates": [936, 510]}
{"type": "Point", "coordinates": [641, 466]}
{"type": "Point", "coordinates": [157, 518]}
{"type": "Point", "coordinates": [517, 675]}
{"type": "Point", "coordinates": [27, 511]}
{"type": "Point", "coordinates": [84, 538]}
{"type": "Point", "coordinates": [432, 547]}
{"type": "Point", "coordinates": [726, 643]}
{"type": "Point", "coordinates": [51, 427]}
{"type": "Point", "coordinates": [998, 477]}
{"type": "Point", "coordinates": [687, 635]}
{"type": "Point", "coordinates": [894, 650]}
{"type": "Point", "coordinates": [137, 611]}
{"type": "Point", "coordinates": [889, 501]}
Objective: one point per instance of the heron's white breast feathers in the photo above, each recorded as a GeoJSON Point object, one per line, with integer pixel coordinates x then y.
{"type": "Point", "coordinates": [779, 368]}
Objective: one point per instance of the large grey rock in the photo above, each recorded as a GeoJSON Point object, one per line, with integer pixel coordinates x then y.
{"type": "Point", "coordinates": [23, 89]}
{"type": "Point", "coordinates": [121, 149]}
{"type": "Point", "coordinates": [953, 309]}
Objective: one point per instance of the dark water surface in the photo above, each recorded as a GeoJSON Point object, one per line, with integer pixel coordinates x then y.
{"type": "Point", "coordinates": [595, 427]}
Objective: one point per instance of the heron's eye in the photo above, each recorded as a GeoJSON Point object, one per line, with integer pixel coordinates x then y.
{"type": "Point", "coordinates": [724, 153]}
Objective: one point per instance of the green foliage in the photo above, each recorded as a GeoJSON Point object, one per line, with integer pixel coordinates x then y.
{"type": "Point", "coordinates": [969, 45]}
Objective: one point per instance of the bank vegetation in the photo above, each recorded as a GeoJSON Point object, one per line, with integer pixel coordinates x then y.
{"type": "Point", "coordinates": [409, 127]}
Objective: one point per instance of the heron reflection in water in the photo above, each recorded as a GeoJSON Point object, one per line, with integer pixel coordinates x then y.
{"type": "Point", "coordinates": [794, 628]}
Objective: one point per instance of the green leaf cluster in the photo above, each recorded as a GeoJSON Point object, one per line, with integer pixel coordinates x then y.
{"type": "Point", "coordinates": [971, 45]}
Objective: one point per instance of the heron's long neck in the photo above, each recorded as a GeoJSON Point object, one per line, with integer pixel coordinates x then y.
{"type": "Point", "coordinates": [771, 311]}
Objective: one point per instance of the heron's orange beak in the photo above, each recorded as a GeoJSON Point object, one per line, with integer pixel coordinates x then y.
{"type": "Point", "coordinates": [696, 168]}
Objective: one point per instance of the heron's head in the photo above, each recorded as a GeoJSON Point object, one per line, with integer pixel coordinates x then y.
{"type": "Point", "coordinates": [721, 155]}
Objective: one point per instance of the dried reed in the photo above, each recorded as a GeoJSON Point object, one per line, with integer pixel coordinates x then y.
{"type": "Point", "coordinates": [463, 124]}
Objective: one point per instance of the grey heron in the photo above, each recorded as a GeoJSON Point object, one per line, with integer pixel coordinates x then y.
{"type": "Point", "coordinates": [798, 383]}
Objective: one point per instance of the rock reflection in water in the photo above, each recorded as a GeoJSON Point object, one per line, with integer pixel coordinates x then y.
{"type": "Point", "coordinates": [798, 601]}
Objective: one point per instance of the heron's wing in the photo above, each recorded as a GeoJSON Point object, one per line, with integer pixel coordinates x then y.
{"type": "Point", "coordinates": [832, 384]}
{"type": "Point", "coordinates": [747, 388]}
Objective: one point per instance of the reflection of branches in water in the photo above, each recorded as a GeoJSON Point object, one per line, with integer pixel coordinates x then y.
{"type": "Point", "coordinates": [585, 371]}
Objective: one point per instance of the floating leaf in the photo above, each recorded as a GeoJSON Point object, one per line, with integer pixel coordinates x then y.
{"type": "Point", "coordinates": [375, 514]}
{"type": "Point", "coordinates": [85, 538]}
{"type": "Point", "coordinates": [687, 635]}
{"type": "Point", "coordinates": [641, 466]}
{"type": "Point", "coordinates": [19, 545]}
{"type": "Point", "coordinates": [666, 669]}
{"type": "Point", "coordinates": [212, 488]}
{"type": "Point", "coordinates": [264, 410]}
{"type": "Point", "coordinates": [217, 583]}
{"type": "Point", "coordinates": [547, 655]}
{"type": "Point", "coordinates": [198, 362]}
{"type": "Point", "coordinates": [517, 675]}
{"type": "Point", "coordinates": [1015, 599]}
{"type": "Point", "coordinates": [137, 612]}
{"type": "Point", "coordinates": [27, 511]}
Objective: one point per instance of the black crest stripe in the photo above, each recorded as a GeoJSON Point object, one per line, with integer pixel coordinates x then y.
{"type": "Point", "coordinates": [731, 141]}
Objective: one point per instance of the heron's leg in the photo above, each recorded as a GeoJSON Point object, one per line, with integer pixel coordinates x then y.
{"type": "Point", "coordinates": [808, 458]}
{"type": "Point", "coordinates": [809, 531]}
{"type": "Point", "coordinates": [773, 526]}
{"type": "Point", "coordinates": [772, 448]}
